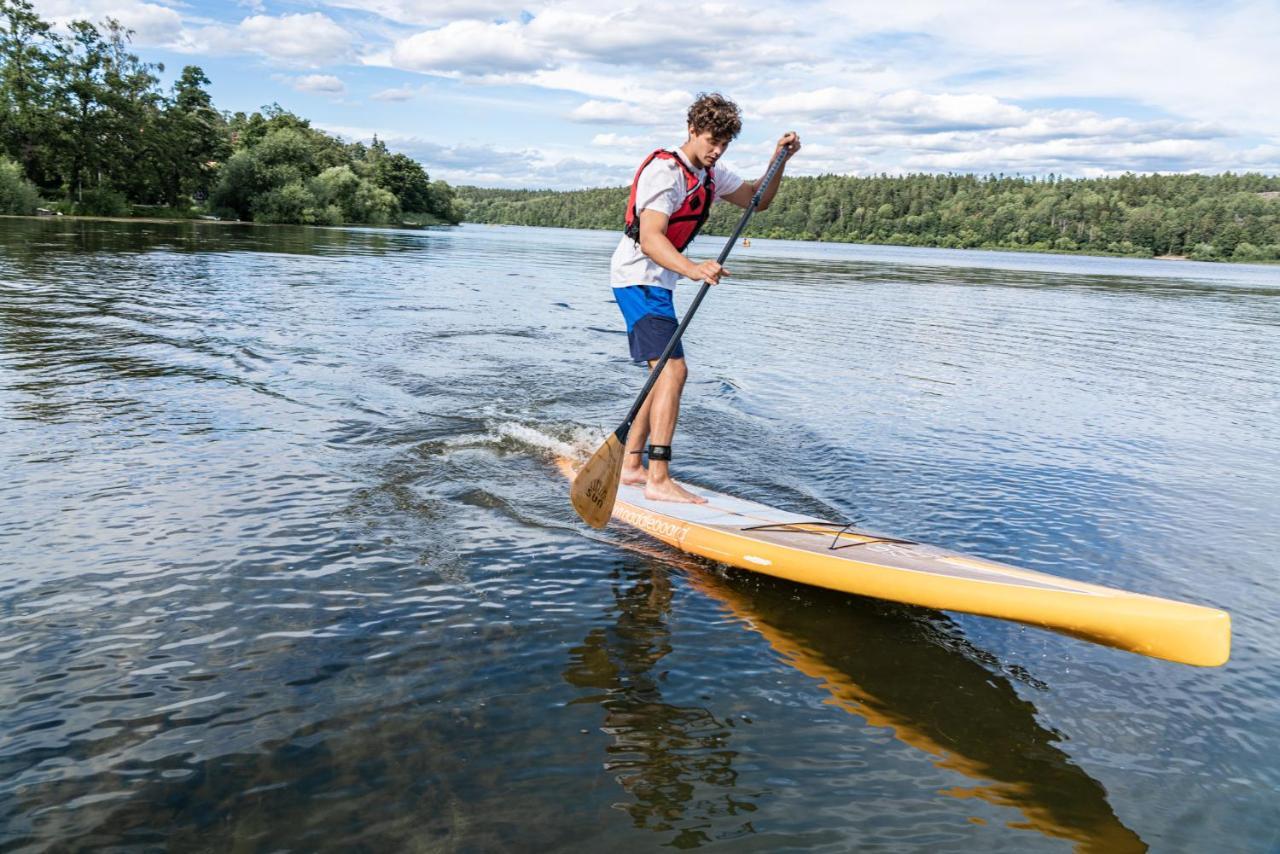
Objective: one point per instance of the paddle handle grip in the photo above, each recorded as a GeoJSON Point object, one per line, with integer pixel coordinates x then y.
{"type": "Point", "coordinates": [625, 427]}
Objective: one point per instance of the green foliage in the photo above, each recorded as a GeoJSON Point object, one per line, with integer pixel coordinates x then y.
{"type": "Point", "coordinates": [101, 201]}
{"type": "Point", "coordinates": [293, 203]}
{"type": "Point", "coordinates": [405, 178]}
{"type": "Point", "coordinates": [1208, 217]}
{"type": "Point", "coordinates": [356, 199]}
{"type": "Point", "coordinates": [1204, 252]}
{"type": "Point", "coordinates": [89, 125]}
{"type": "Point", "coordinates": [275, 181]}
{"type": "Point", "coordinates": [238, 185]}
{"type": "Point", "coordinates": [29, 53]}
{"type": "Point", "coordinates": [17, 194]}
{"type": "Point", "coordinates": [193, 140]}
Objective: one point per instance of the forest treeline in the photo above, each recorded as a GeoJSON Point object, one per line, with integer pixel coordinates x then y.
{"type": "Point", "coordinates": [86, 128]}
{"type": "Point", "coordinates": [1207, 217]}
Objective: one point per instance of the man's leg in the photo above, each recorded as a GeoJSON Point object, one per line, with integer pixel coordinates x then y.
{"type": "Point", "coordinates": [651, 321]}
{"type": "Point", "coordinates": [664, 411]}
{"type": "Point", "coordinates": [633, 471]}
{"type": "Point", "coordinates": [637, 303]}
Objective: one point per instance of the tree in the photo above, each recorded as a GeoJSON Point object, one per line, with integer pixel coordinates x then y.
{"type": "Point", "coordinates": [1130, 214]}
{"type": "Point", "coordinates": [401, 175]}
{"type": "Point", "coordinates": [193, 139]}
{"type": "Point", "coordinates": [130, 147]}
{"type": "Point", "coordinates": [28, 52]}
{"type": "Point", "coordinates": [354, 198]}
{"type": "Point", "coordinates": [17, 194]}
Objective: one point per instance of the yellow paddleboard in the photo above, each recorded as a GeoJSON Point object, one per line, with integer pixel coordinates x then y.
{"type": "Point", "coordinates": [799, 548]}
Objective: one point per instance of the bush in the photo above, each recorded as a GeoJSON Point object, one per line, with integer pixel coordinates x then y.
{"type": "Point", "coordinates": [239, 182]}
{"type": "Point", "coordinates": [375, 205]}
{"type": "Point", "coordinates": [1126, 247]}
{"type": "Point", "coordinates": [17, 194]}
{"type": "Point", "coordinates": [1246, 252]}
{"type": "Point", "coordinates": [358, 200]}
{"type": "Point", "coordinates": [293, 203]}
{"type": "Point", "coordinates": [284, 156]}
{"type": "Point", "coordinates": [442, 201]}
{"type": "Point", "coordinates": [102, 201]}
{"type": "Point", "coordinates": [1204, 252]}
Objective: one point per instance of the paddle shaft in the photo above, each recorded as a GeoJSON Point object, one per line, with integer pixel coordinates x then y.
{"type": "Point", "coordinates": [625, 427]}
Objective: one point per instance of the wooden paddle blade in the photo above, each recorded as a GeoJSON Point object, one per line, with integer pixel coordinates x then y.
{"type": "Point", "coordinates": [596, 486]}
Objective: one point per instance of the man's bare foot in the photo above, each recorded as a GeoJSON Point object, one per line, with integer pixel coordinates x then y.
{"type": "Point", "coordinates": [669, 490]}
{"type": "Point", "coordinates": [634, 476]}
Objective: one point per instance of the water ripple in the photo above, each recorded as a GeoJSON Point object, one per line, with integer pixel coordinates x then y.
{"type": "Point", "coordinates": [280, 528]}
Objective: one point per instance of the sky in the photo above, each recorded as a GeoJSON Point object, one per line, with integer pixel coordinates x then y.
{"type": "Point", "coordinates": [565, 94]}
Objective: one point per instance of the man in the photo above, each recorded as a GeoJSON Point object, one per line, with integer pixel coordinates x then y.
{"type": "Point", "coordinates": [671, 196]}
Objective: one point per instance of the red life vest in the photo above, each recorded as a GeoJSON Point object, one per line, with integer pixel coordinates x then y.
{"type": "Point", "coordinates": [686, 220]}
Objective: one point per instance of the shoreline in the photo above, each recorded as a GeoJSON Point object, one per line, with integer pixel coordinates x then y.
{"type": "Point", "coordinates": [150, 219]}
{"type": "Point", "coordinates": [402, 227]}
{"type": "Point", "coordinates": [985, 248]}
{"type": "Point", "coordinates": [153, 220]}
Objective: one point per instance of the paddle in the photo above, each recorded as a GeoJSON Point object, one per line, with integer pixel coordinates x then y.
{"type": "Point", "coordinates": [595, 488]}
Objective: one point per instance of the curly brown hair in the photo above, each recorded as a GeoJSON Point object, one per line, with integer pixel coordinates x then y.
{"type": "Point", "coordinates": [715, 113]}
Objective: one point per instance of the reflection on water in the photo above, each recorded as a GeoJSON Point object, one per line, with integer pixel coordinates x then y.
{"type": "Point", "coordinates": [284, 564]}
{"type": "Point", "coordinates": [969, 718]}
{"type": "Point", "coordinates": [916, 677]}
{"type": "Point", "coordinates": [675, 762]}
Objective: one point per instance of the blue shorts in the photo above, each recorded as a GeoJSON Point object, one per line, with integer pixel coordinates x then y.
{"type": "Point", "coordinates": [651, 321]}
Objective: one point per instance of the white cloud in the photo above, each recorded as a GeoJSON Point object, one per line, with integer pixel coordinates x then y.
{"type": "Point", "coordinates": [645, 91]}
{"type": "Point", "coordinates": [644, 35]}
{"type": "Point", "coordinates": [469, 47]}
{"type": "Point", "coordinates": [992, 85]}
{"type": "Point", "coordinates": [309, 39]}
{"type": "Point", "coordinates": [323, 83]}
{"type": "Point", "coordinates": [303, 39]}
{"type": "Point", "coordinates": [910, 130]}
{"type": "Point", "coordinates": [634, 143]}
{"type": "Point", "coordinates": [432, 12]}
{"type": "Point", "coordinates": [904, 108]}
{"type": "Point", "coordinates": [402, 93]}
{"type": "Point", "coordinates": [152, 23]}
{"type": "Point", "coordinates": [563, 32]}
{"type": "Point", "coordinates": [925, 111]}
{"type": "Point", "coordinates": [612, 112]}
{"type": "Point", "coordinates": [1215, 61]}
{"type": "Point", "coordinates": [559, 168]}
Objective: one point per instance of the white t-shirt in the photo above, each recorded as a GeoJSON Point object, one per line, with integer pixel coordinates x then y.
{"type": "Point", "coordinates": [661, 187]}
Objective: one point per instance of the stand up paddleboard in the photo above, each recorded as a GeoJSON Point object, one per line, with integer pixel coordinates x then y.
{"type": "Point", "coordinates": [799, 548]}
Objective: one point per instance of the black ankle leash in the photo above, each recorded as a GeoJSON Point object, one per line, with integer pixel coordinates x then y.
{"type": "Point", "coordinates": [656, 452]}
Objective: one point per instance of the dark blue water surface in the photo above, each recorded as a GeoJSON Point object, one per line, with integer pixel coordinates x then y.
{"type": "Point", "coordinates": [285, 563]}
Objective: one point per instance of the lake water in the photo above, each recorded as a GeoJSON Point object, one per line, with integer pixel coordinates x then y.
{"type": "Point", "coordinates": [285, 563]}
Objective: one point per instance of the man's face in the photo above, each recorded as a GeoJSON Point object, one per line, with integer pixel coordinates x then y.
{"type": "Point", "coordinates": [706, 148]}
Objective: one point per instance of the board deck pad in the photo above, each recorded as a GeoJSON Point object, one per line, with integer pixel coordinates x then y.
{"type": "Point", "coordinates": [753, 536]}
{"type": "Point", "coordinates": [745, 518]}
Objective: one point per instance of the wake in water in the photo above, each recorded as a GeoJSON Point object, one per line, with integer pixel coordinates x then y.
{"type": "Point", "coordinates": [573, 442]}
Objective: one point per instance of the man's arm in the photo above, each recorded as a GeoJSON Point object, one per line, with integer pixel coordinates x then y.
{"type": "Point", "coordinates": [655, 244]}
{"type": "Point", "coordinates": [742, 196]}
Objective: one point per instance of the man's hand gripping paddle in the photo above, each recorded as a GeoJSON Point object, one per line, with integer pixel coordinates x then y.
{"type": "Point", "coordinates": [595, 488]}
